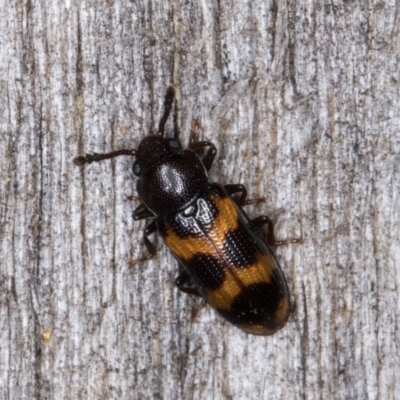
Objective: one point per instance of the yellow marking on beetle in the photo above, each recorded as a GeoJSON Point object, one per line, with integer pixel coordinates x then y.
{"type": "Point", "coordinates": [228, 217]}
{"type": "Point", "coordinates": [238, 278]}
{"type": "Point", "coordinates": [258, 329]}
{"type": "Point", "coordinates": [282, 313]}
{"type": "Point", "coordinates": [212, 241]}
{"type": "Point", "coordinates": [185, 247]}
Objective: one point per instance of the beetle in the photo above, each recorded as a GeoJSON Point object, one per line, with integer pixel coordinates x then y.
{"type": "Point", "coordinates": [224, 257]}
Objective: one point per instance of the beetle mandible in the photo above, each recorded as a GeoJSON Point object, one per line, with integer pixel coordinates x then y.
{"type": "Point", "coordinates": [224, 257]}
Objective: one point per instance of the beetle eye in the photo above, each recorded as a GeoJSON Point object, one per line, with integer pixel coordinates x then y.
{"type": "Point", "coordinates": [137, 169]}
{"type": "Point", "coordinates": [174, 143]}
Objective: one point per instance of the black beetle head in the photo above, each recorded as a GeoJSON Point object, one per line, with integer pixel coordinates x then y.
{"type": "Point", "coordinates": [153, 150]}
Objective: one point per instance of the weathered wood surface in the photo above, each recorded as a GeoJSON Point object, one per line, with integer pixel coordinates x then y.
{"type": "Point", "coordinates": [302, 100]}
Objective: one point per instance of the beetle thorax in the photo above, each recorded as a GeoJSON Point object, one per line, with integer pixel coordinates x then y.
{"type": "Point", "coordinates": [170, 185]}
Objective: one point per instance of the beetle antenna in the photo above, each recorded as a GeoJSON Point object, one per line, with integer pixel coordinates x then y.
{"type": "Point", "coordinates": [168, 102]}
{"type": "Point", "coordinates": [96, 157]}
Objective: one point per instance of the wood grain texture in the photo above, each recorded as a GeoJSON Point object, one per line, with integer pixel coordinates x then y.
{"type": "Point", "coordinates": [302, 100]}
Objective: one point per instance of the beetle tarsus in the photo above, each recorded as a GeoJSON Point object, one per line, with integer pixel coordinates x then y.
{"type": "Point", "coordinates": [260, 221]}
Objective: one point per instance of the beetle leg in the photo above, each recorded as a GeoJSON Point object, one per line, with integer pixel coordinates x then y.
{"type": "Point", "coordinates": [182, 279]}
{"type": "Point", "coordinates": [180, 282]}
{"type": "Point", "coordinates": [241, 201]}
{"type": "Point", "coordinates": [194, 131]}
{"type": "Point", "coordinates": [141, 212]}
{"type": "Point", "coordinates": [197, 309]}
{"type": "Point", "coordinates": [270, 237]}
{"type": "Point", "coordinates": [208, 159]}
{"type": "Point", "coordinates": [132, 198]}
{"type": "Point", "coordinates": [150, 228]}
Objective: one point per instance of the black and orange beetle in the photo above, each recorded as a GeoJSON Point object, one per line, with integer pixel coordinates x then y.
{"type": "Point", "coordinates": [223, 255]}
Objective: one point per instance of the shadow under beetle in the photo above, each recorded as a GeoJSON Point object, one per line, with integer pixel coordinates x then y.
{"type": "Point", "coordinates": [223, 255]}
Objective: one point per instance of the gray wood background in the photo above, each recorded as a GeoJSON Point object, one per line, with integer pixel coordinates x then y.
{"type": "Point", "coordinates": [302, 100]}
